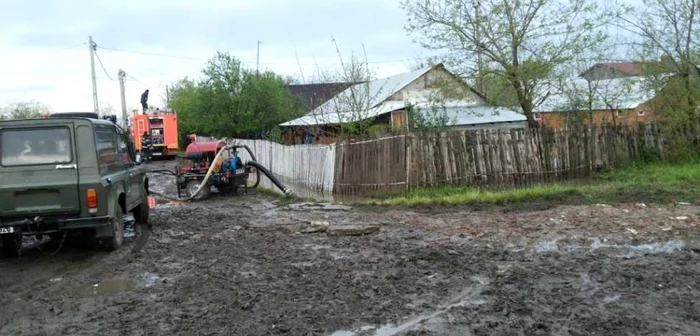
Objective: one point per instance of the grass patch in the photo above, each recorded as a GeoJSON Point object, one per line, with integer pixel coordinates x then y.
{"type": "Point", "coordinates": [652, 183]}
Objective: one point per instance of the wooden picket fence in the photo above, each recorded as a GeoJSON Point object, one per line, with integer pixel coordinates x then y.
{"type": "Point", "coordinates": [306, 169]}
{"type": "Point", "coordinates": [483, 158]}
{"type": "Point", "coordinates": [488, 158]}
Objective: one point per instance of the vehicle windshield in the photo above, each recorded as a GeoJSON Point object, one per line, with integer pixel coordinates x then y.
{"type": "Point", "coordinates": [23, 147]}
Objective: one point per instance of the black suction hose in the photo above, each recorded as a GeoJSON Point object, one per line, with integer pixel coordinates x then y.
{"type": "Point", "coordinates": [250, 152]}
{"type": "Point", "coordinates": [252, 158]}
{"type": "Point", "coordinates": [270, 176]}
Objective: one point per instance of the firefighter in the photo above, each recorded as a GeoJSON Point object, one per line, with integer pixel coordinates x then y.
{"type": "Point", "coordinates": [146, 146]}
{"type": "Point", "coordinates": [144, 101]}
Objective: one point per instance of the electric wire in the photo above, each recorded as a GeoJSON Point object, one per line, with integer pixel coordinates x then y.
{"type": "Point", "coordinates": [255, 62]}
{"type": "Point", "coordinates": [103, 66]}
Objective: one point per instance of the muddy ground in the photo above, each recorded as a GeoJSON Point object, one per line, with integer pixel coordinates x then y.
{"type": "Point", "coordinates": [255, 265]}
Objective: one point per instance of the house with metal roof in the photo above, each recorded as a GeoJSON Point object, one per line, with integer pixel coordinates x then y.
{"type": "Point", "coordinates": [433, 92]}
{"type": "Point", "coordinates": [620, 100]}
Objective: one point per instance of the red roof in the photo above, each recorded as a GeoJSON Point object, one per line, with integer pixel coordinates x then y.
{"type": "Point", "coordinates": [205, 147]}
{"type": "Point", "coordinates": [626, 67]}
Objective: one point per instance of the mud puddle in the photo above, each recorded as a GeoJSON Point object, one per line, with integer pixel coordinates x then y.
{"type": "Point", "coordinates": [115, 286]}
{"type": "Point", "coordinates": [598, 244]}
{"type": "Point", "coordinates": [106, 288]}
{"type": "Point", "coordinates": [470, 297]}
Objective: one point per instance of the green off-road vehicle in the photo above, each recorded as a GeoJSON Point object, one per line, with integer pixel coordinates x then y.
{"type": "Point", "coordinates": [68, 175]}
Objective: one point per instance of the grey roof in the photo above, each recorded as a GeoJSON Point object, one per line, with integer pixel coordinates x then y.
{"type": "Point", "coordinates": [574, 94]}
{"type": "Point", "coordinates": [360, 101]}
{"type": "Point", "coordinates": [461, 115]}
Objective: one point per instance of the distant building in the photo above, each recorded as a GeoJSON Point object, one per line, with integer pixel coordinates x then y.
{"type": "Point", "coordinates": [622, 100]}
{"type": "Point", "coordinates": [434, 91]}
{"type": "Point", "coordinates": [613, 70]}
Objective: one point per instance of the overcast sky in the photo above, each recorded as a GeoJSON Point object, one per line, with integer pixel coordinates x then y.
{"type": "Point", "coordinates": [46, 58]}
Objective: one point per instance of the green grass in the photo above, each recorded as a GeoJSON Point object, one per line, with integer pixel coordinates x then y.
{"type": "Point", "coordinates": [652, 183]}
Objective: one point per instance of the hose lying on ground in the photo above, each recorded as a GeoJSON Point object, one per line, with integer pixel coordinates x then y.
{"type": "Point", "coordinates": [269, 175]}
{"type": "Point", "coordinates": [205, 181]}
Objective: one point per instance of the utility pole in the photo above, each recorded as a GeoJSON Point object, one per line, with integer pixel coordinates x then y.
{"type": "Point", "coordinates": [121, 74]}
{"type": "Point", "coordinates": [92, 47]}
{"type": "Point", "coordinates": [257, 63]}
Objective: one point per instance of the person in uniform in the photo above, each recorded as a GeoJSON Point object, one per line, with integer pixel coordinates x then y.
{"type": "Point", "coordinates": [146, 146]}
{"type": "Point", "coordinates": [144, 101]}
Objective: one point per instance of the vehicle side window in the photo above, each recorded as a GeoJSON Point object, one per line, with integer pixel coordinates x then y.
{"type": "Point", "coordinates": [124, 149]}
{"type": "Point", "coordinates": [107, 151]}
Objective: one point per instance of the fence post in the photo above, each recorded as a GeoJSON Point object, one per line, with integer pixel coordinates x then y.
{"type": "Point", "coordinates": [407, 156]}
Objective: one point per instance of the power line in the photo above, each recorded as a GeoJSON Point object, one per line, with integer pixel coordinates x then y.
{"type": "Point", "coordinates": [153, 54]}
{"type": "Point", "coordinates": [136, 80]}
{"type": "Point", "coordinates": [255, 62]}
{"type": "Point", "coordinates": [103, 67]}
{"type": "Point", "coordinates": [142, 83]}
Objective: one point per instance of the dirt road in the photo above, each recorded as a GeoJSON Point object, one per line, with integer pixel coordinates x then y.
{"type": "Point", "coordinates": [251, 265]}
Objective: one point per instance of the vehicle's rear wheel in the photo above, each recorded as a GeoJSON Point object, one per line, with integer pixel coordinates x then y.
{"type": "Point", "coordinates": [117, 225]}
{"type": "Point", "coordinates": [11, 245]}
{"type": "Point", "coordinates": [141, 212]}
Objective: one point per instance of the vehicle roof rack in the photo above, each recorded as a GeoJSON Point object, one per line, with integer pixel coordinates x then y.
{"type": "Point", "coordinates": [89, 115]}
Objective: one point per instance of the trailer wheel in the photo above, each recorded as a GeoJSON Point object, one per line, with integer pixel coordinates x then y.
{"type": "Point", "coordinates": [192, 186]}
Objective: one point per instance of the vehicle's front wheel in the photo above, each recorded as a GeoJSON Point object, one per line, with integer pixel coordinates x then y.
{"type": "Point", "coordinates": [117, 225]}
{"type": "Point", "coordinates": [11, 245]}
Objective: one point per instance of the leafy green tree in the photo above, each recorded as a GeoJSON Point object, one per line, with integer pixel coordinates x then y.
{"type": "Point", "coordinates": [23, 110]}
{"type": "Point", "coordinates": [669, 44]}
{"type": "Point", "coordinates": [232, 101]}
{"type": "Point", "coordinates": [522, 41]}
{"type": "Point", "coordinates": [670, 47]}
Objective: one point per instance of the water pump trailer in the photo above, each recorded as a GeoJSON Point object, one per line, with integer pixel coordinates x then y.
{"type": "Point", "coordinates": [228, 172]}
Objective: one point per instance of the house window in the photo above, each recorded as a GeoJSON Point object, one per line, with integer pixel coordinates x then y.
{"type": "Point", "coordinates": [640, 113]}
{"type": "Point", "coordinates": [620, 114]}
{"type": "Point", "coordinates": [537, 116]}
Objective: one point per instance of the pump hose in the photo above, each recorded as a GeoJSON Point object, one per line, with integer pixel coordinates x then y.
{"type": "Point", "coordinates": [205, 181]}
{"type": "Point", "coordinates": [257, 171]}
{"type": "Point", "coordinates": [269, 175]}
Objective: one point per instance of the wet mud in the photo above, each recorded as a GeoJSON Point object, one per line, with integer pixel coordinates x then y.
{"type": "Point", "coordinates": [254, 265]}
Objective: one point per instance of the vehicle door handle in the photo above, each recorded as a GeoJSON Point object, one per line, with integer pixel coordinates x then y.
{"type": "Point", "coordinates": [73, 166]}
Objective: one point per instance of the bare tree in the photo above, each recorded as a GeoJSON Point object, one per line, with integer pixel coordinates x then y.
{"type": "Point", "coordinates": [670, 44]}
{"type": "Point", "coordinates": [351, 110]}
{"type": "Point", "coordinates": [521, 41]}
